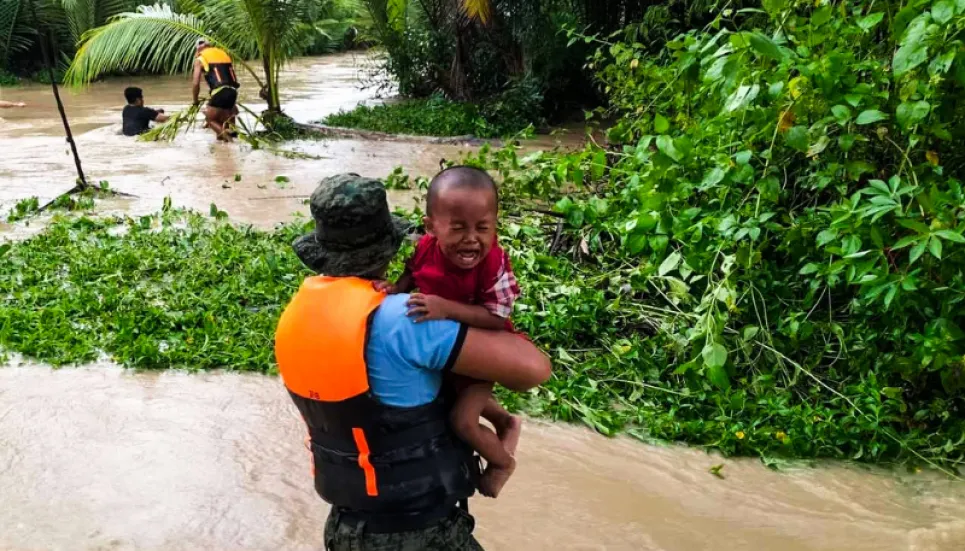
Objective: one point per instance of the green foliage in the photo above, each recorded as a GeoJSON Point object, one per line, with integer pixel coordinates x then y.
{"type": "Point", "coordinates": [169, 290]}
{"type": "Point", "coordinates": [435, 116]}
{"type": "Point", "coordinates": [8, 79]}
{"type": "Point", "coordinates": [23, 209]}
{"type": "Point", "coordinates": [771, 248]}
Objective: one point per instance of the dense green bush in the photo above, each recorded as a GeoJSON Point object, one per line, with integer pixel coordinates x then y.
{"type": "Point", "coordinates": [775, 234]}
{"type": "Point", "coordinates": [437, 116]}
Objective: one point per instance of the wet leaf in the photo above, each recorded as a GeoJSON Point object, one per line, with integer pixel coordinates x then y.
{"type": "Point", "coordinates": [935, 247]}
{"type": "Point", "coordinates": [741, 98]}
{"type": "Point", "coordinates": [819, 146]}
{"type": "Point", "coordinates": [714, 355]}
{"type": "Point", "coordinates": [917, 251]}
{"type": "Point", "coordinates": [713, 177]}
{"type": "Point", "coordinates": [669, 264]}
{"type": "Point", "coordinates": [719, 376]}
{"type": "Point", "coordinates": [660, 124]}
{"type": "Point", "coordinates": [599, 165]}
{"type": "Point", "coordinates": [666, 146]}
{"type": "Point", "coordinates": [869, 22]}
{"type": "Point", "coordinates": [797, 138]}
{"type": "Point", "coordinates": [950, 236]}
{"type": "Point", "coordinates": [914, 48]}
{"type": "Point", "coordinates": [870, 116]}
{"type": "Point", "coordinates": [943, 11]}
{"type": "Point", "coordinates": [842, 113]}
{"type": "Point", "coordinates": [809, 269]}
{"type": "Point", "coordinates": [911, 113]}
{"type": "Point", "coordinates": [765, 46]}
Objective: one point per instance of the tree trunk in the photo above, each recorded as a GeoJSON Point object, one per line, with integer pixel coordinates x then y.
{"type": "Point", "coordinates": [270, 93]}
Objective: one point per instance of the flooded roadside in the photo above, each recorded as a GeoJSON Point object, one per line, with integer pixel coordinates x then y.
{"type": "Point", "coordinates": [194, 170]}
{"type": "Point", "coordinates": [103, 458]}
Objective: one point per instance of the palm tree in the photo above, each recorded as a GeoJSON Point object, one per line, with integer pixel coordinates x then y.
{"type": "Point", "coordinates": [66, 20]}
{"type": "Point", "coordinates": [161, 38]}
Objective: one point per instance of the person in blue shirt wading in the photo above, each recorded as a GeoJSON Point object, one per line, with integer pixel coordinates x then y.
{"type": "Point", "coordinates": [368, 383]}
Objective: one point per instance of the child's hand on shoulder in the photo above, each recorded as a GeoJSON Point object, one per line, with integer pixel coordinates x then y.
{"type": "Point", "coordinates": [428, 307]}
{"type": "Point", "coordinates": [385, 287]}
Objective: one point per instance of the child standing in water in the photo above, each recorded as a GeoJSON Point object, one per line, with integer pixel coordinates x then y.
{"type": "Point", "coordinates": [463, 275]}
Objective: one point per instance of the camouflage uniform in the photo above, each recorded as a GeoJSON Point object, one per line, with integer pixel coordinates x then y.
{"type": "Point", "coordinates": [355, 235]}
{"type": "Point", "coordinates": [451, 534]}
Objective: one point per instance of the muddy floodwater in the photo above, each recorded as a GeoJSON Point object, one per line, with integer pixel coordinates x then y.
{"type": "Point", "coordinates": [195, 170]}
{"type": "Point", "coordinates": [99, 458]}
{"type": "Point", "coordinates": [102, 458]}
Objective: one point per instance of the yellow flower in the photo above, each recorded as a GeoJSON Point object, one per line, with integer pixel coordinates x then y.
{"type": "Point", "coordinates": [780, 435]}
{"type": "Point", "coordinates": [740, 435]}
{"type": "Point", "coordinates": [932, 157]}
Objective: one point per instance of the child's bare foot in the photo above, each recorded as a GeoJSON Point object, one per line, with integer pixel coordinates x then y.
{"type": "Point", "coordinates": [493, 480]}
{"type": "Point", "coordinates": [509, 433]}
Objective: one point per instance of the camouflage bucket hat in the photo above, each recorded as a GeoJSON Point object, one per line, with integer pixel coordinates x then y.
{"type": "Point", "coordinates": [355, 235]}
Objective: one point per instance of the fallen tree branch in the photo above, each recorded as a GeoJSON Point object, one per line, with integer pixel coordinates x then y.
{"type": "Point", "coordinates": [80, 188]}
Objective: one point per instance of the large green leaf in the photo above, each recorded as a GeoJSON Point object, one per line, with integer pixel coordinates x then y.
{"type": "Point", "coordinates": [765, 46]}
{"type": "Point", "coordinates": [742, 97]}
{"type": "Point", "coordinates": [943, 11]}
{"type": "Point", "coordinates": [715, 357]}
{"type": "Point", "coordinates": [869, 22]}
{"type": "Point", "coordinates": [870, 116]}
{"type": "Point", "coordinates": [914, 46]}
{"type": "Point", "coordinates": [666, 146]}
{"type": "Point", "coordinates": [797, 138]}
{"type": "Point", "coordinates": [909, 114]}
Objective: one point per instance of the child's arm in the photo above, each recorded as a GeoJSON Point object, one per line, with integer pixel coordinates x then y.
{"type": "Point", "coordinates": [431, 307]}
{"type": "Point", "coordinates": [404, 284]}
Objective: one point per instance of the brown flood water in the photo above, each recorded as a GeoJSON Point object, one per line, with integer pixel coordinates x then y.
{"type": "Point", "coordinates": [102, 458]}
{"type": "Point", "coordinates": [195, 170]}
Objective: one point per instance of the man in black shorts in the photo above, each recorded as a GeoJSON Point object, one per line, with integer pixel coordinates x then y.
{"type": "Point", "coordinates": [214, 64]}
{"type": "Point", "coordinates": [137, 118]}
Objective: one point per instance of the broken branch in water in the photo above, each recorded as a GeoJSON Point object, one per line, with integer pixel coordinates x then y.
{"type": "Point", "coordinates": [168, 130]}
{"type": "Point", "coordinates": [80, 188]}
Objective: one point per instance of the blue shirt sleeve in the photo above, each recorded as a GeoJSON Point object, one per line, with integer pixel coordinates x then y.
{"type": "Point", "coordinates": [406, 360]}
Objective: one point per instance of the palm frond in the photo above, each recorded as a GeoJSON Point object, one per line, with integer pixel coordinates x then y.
{"type": "Point", "coordinates": [153, 38]}
{"type": "Point", "coordinates": [181, 121]}
{"type": "Point", "coordinates": [11, 41]}
{"type": "Point", "coordinates": [84, 15]}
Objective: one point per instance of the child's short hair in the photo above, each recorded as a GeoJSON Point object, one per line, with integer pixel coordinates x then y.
{"type": "Point", "coordinates": [460, 176]}
{"type": "Point", "coordinates": [132, 94]}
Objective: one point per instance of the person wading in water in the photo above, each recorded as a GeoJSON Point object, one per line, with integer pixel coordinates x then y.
{"type": "Point", "coordinates": [368, 383]}
{"type": "Point", "coordinates": [214, 64]}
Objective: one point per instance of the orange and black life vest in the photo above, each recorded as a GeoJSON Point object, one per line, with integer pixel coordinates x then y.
{"type": "Point", "coordinates": [368, 457]}
{"type": "Point", "coordinates": [217, 67]}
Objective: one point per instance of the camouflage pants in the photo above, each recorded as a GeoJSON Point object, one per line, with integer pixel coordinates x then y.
{"type": "Point", "coordinates": [451, 534]}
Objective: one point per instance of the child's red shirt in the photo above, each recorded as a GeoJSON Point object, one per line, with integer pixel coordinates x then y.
{"type": "Point", "coordinates": [491, 284]}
